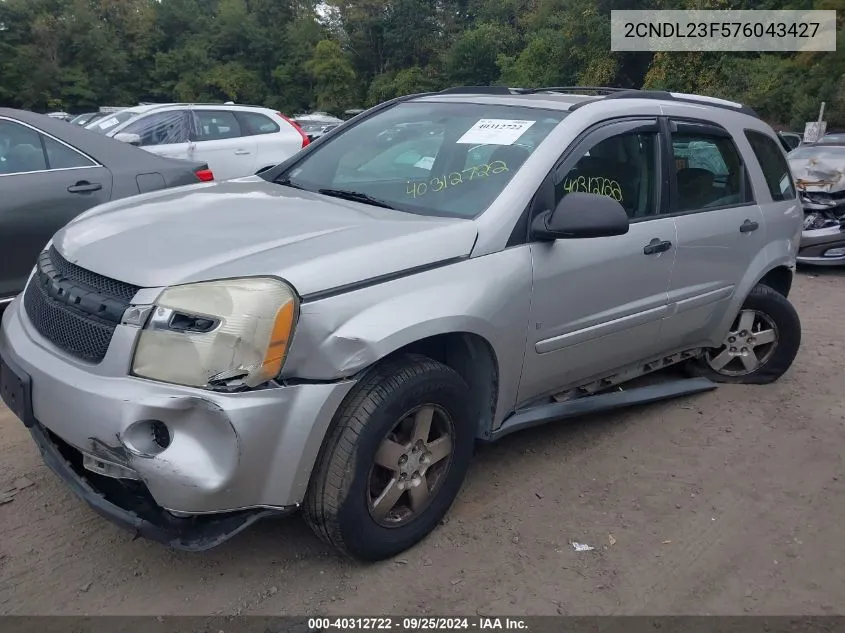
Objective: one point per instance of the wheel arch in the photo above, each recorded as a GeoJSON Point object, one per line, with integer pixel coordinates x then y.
{"type": "Point", "coordinates": [474, 359]}
{"type": "Point", "coordinates": [778, 279]}
{"type": "Point", "coordinates": [774, 272]}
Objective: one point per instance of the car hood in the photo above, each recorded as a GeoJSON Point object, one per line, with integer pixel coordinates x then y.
{"type": "Point", "coordinates": [250, 227]}
{"type": "Point", "coordinates": [821, 171]}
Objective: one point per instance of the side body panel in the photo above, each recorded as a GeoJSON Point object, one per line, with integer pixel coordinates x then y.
{"type": "Point", "coordinates": [339, 336]}
{"type": "Point", "coordinates": [773, 245]}
{"type": "Point", "coordinates": [35, 206]}
{"type": "Point", "coordinates": [597, 306]}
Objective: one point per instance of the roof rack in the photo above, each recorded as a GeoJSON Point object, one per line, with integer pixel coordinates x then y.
{"type": "Point", "coordinates": [574, 89]}
{"type": "Point", "coordinates": [505, 90]}
{"type": "Point", "coordinates": [678, 97]}
{"type": "Point", "coordinates": [479, 90]}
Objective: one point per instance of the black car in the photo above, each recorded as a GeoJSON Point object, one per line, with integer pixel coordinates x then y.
{"type": "Point", "coordinates": [50, 172]}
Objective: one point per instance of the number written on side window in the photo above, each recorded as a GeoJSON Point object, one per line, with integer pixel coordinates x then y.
{"type": "Point", "coordinates": [621, 167]}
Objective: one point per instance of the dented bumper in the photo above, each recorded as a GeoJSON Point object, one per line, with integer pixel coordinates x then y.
{"type": "Point", "coordinates": [194, 452]}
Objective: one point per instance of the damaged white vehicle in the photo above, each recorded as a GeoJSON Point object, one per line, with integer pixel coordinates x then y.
{"type": "Point", "coordinates": [818, 171]}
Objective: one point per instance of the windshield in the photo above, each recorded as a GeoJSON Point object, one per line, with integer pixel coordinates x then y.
{"type": "Point", "coordinates": [428, 158]}
{"type": "Point", "coordinates": [105, 125]}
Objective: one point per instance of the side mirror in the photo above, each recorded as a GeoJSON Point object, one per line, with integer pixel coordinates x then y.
{"type": "Point", "coordinates": [580, 215]}
{"type": "Point", "coordinates": [128, 137]}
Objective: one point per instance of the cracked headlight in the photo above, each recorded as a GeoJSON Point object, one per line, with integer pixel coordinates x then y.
{"type": "Point", "coordinates": [233, 332]}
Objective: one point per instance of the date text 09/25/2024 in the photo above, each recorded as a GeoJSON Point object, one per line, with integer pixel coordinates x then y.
{"type": "Point", "coordinates": [408, 624]}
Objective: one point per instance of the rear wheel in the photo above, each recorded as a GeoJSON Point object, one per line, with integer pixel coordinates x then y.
{"type": "Point", "coordinates": [761, 344]}
{"type": "Point", "coordinates": [394, 460]}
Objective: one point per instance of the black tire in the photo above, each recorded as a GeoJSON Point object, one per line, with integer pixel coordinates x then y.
{"type": "Point", "coordinates": [780, 311]}
{"type": "Point", "coordinates": [337, 503]}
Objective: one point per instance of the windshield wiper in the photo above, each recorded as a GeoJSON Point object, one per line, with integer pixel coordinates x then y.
{"type": "Point", "coordinates": [355, 196]}
{"type": "Point", "coordinates": [287, 182]}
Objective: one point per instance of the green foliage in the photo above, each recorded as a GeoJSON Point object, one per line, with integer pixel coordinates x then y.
{"type": "Point", "coordinates": [333, 75]}
{"type": "Point", "coordinates": [295, 55]}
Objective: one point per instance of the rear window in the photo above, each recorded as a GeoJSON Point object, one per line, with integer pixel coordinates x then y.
{"type": "Point", "coordinates": [774, 165]}
{"type": "Point", "coordinates": [429, 158]}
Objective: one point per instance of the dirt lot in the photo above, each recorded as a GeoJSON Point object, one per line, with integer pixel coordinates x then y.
{"type": "Point", "coordinates": [730, 502]}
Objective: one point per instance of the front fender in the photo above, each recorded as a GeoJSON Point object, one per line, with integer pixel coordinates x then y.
{"type": "Point", "coordinates": [489, 296]}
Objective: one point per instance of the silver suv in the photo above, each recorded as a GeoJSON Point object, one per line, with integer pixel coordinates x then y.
{"type": "Point", "coordinates": [338, 332]}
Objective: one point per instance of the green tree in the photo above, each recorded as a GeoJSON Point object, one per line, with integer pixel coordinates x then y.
{"type": "Point", "coordinates": [333, 76]}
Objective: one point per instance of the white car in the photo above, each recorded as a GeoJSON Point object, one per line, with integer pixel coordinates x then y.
{"type": "Point", "coordinates": [235, 140]}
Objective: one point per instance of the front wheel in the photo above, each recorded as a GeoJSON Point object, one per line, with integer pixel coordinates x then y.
{"type": "Point", "coordinates": [761, 344]}
{"type": "Point", "coordinates": [394, 460]}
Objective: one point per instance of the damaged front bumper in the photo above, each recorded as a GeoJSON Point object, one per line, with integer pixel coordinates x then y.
{"type": "Point", "coordinates": [823, 237]}
{"type": "Point", "coordinates": [186, 467]}
{"type": "Point", "coordinates": [130, 506]}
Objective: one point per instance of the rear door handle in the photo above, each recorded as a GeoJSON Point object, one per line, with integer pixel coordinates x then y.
{"type": "Point", "coordinates": [748, 226]}
{"type": "Point", "coordinates": [242, 152]}
{"type": "Point", "coordinates": [83, 186]}
{"type": "Point", "coordinates": [656, 246]}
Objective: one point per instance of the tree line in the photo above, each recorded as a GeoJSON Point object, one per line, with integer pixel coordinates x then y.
{"type": "Point", "coordinates": [298, 55]}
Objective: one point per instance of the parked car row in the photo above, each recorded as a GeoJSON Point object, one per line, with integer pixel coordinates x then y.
{"type": "Point", "coordinates": [336, 333]}
{"type": "Point", "coordinates": [235, 140]}
{"type": "Point", "coordinates": [50, 172]}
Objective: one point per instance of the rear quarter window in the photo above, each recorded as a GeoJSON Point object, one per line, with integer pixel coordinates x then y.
{"type": "Point", "coordinates": [774, 165]}
{"type": "Point", "coordinates": [253, 124]}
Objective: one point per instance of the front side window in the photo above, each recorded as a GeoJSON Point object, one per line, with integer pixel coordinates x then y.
{"type": "Point", "coordinates": [428, 158]}
{"type": "Point", "coordinates": [20, 149]}
{"type": "Point", "coordinates": [161, 128]}
{"type": "Point", "coordinates": [709, 171]}
{"type": "Point", "coordinates": [622, 167]}
{"type": "Point", "coordinates": [213, 125]}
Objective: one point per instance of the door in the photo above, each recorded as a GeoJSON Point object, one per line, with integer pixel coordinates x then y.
{"type": "Point", "coordinates": [44, 184]}
{"type": "Point", "coordinates": [720, 229]}
{"type": "Point", "coordinates": [220, 142]}
{"type": "Point", "coordinates": [598, 303]}
{"type": "Point", "coordinates": [274, 141]}
{"type": "Point", "coordinates": [164, 133]}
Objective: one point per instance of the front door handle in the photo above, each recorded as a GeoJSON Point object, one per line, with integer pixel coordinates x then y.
{"type": "Point", "coordinates": [748, 227]}
{"type": "Point", "coordinates": [242, 152]}
{"type": "Point", "coordinates": [657, 246]}
{"type": "Point", "coordinates": [83, 186]}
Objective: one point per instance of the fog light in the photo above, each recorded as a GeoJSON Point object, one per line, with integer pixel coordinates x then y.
{"type": "Point", "coordinates": [835, 252]}
{"type": "Point", "coordinates": [147, 438]}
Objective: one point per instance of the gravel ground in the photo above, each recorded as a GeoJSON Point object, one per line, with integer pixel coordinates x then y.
{"type": "Point", "coordinates": [722, 503]}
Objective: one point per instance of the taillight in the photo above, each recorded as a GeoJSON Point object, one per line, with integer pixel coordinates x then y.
{"type": "Point", "coordinates": [205, 175]}
{"type": "Point", "coordinates": [305, 139]}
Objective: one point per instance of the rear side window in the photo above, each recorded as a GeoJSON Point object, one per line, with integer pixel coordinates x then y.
{"type": "Point", "coordinates": [161, 128]}
{"type": "Point", "coordinates": [61, 156]}
{"type": "Point", "coordinates": [709, 171]}
{"type": "Point", "coordinates": [253, 123]}
{"type": "Point", "coordinates": [774, 165]}
{"type": "Point", "coordinates": [214, 125]}
{"type": "Point", "coordinates": [20, 149]}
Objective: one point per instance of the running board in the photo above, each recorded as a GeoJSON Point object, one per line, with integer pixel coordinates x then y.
{"type": "Point", "coordinates": [587, 405]}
